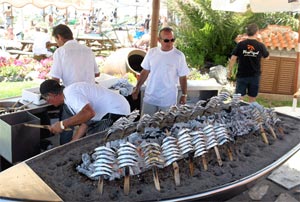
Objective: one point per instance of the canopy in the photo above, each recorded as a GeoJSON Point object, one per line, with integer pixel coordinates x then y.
{"type": "Point", "coordinates": [61, 4]}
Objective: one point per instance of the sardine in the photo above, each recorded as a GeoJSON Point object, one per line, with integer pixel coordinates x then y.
{"type": "Point", "coordinates": [99, 173]}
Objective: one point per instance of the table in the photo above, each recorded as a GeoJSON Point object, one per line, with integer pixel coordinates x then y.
{"type": "Point", "coordinates": [26, 45]}
{"type": "Point", "coordinates": [26, 48]}
{"type": "Point", "coordinates": [97, 43]}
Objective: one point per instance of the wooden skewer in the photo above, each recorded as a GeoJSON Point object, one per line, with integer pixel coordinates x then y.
{"type": "Point", "coordinates": [272, 131]}
{"type": "Point", "coordinates": [229, 151]}
{"type": "Point", "coordinates": [22, 106]}
{"type": "Point", "coordinates": [37, 126]}
{"type": "Point", "coordinates": [42, 126]}
{"type": "Point", "coordinates": [175, 166]}
{"type": "Point", "coordinates": [176, 173]}
{"type": "Point", "coordinates": [15, 104]}
{"type": "Point", "coordinates": [204, 162]}
{"type": "Point", "coordinates": [191, 163]}
{"type": "Point", "coordinates": [155, 178]}
{"type": "Point", "coordinates": [263, 134]}
{"type": "Point", "coordinates": [281, 131]}
{"type": "Point", "coordinates": [126, 181]}
{"type": "Point", "coordinates": [218, 156]}
{"type": "Point", "coordinates": [100, 185]}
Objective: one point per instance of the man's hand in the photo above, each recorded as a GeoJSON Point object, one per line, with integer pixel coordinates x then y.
{"type": "Point", "coordinates": [182, 100]}
{"type": "Point", "coordinates": [55, 128]}
{"type": "Point", "coordinates": [135, 93]}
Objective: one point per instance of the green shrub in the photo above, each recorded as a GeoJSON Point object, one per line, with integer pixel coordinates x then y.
{"type": "Point", "coordinates": [9, 71]}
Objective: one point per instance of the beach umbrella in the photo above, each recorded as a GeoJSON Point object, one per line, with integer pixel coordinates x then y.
{"type": "Point", "coordinates": [263, 6]}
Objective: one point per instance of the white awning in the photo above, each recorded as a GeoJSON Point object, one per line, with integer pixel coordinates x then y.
{"type": "Point", "coordinates": [77, 4]}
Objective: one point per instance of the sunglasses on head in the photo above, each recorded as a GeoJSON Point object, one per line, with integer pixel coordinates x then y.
{"type": "Point", "coordinates": [168, 40]}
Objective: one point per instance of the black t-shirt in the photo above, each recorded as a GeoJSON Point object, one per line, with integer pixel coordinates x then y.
{"type": "Point", "coordinates": [249, 53]}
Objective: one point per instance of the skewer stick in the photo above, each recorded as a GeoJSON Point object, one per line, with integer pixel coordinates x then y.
{"type": "Point", "coordinates": [191, 163]}
{"type": "Point", "coordinates": [263, 134]}
{"type": "Point", "coordinates": [281, 131]}
{"type": "Point", "coordinates": [175, 167]}
{"type": "Point", "coordinates": [100, 185]}
{"type": "Point", "coordinates": [155, 178]}
{"type": "Point", "coordinates": [272, 131]}
{"type": "Point", "coordinates": [229, 151]}
{"type": "Point", "coordinates": [126, 181]}
{"type": "Point", "coordinates": [218, 156]}
{"type": "Point", "coordinates": [204, 162]}
{"type": "Point", "coordinates": [37, 126]}
{"type": "Point", "coordinates": [15, 104]}
{"type": "Point", "coordinates": [176, 173]}
{"type": "Point", "coordinates": [42, 126]}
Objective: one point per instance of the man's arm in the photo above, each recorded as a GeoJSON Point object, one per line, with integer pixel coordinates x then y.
{"type": "Point", "coordinates": [143, 77]}
{"type": "Point", "coordinates": [232, 61]}
{"type": "Point", "coordinates": [80, 132]}
{"type": "Point", "coordinates": [86, 113]}
{"type": "Point", "coordinates": [183, 85]}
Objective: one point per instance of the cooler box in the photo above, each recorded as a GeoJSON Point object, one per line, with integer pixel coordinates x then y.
{"type": "Point", "coordinates": [19, 142]}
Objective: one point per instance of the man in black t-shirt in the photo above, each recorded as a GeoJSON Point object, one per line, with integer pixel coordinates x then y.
{"type": "Point", "coordinates": [249, 53]}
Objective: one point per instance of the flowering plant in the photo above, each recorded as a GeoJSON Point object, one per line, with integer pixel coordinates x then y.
{"type": "Point", "coordinates": [12, 69]}
{"type": "Point", "coordinates": [44, 68]}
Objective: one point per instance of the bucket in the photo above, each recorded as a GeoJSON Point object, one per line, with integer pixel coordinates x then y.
{"type": "Point", "coordinates": [124, 60]}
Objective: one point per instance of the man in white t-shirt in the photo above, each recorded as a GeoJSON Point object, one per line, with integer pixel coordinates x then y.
{"type": "Point", "coordinates": [90, 106]}
{"type": "Point", "coordinates": [41, 39]}
{"type": "Point", "coordinates": [72, 62]}
{"type": "Point", "coordinates": [166, 67]}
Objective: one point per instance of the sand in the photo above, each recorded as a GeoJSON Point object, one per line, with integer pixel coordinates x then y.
{"type": "Point", "coordinates": [57, 168]}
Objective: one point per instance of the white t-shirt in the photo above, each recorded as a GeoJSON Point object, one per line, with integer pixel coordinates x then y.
{"type": "Point", "coordinates": [74, 62]}
{"type": "Point", "coordinates": [101, 99]}
{"type": "Point", "coordinates": [165, 69]}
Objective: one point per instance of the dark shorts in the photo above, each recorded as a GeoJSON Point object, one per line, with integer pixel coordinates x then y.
{"type": "Point", "coordinates": [247, 85]}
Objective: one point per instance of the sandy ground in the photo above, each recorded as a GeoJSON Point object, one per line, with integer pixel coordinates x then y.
{"type": "Point", "coordinates": [57, 168]}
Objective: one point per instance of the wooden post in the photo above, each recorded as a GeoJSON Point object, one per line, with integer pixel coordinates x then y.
{"type": "Point", "coordinates": [296, 82]}
{"type": "Point", "coordinates": [154, 23]}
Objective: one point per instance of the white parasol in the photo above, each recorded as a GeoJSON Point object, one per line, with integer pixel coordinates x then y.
{"type": "Point", "coordinates": [263, 6]}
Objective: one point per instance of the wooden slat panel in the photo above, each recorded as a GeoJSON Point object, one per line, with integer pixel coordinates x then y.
{"type": "Point", "coordinates": [268, 76]}
{"type": "Point", "coordinates": [278, 76]}
{"type": "Point", "coordinates": [286, 76]}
